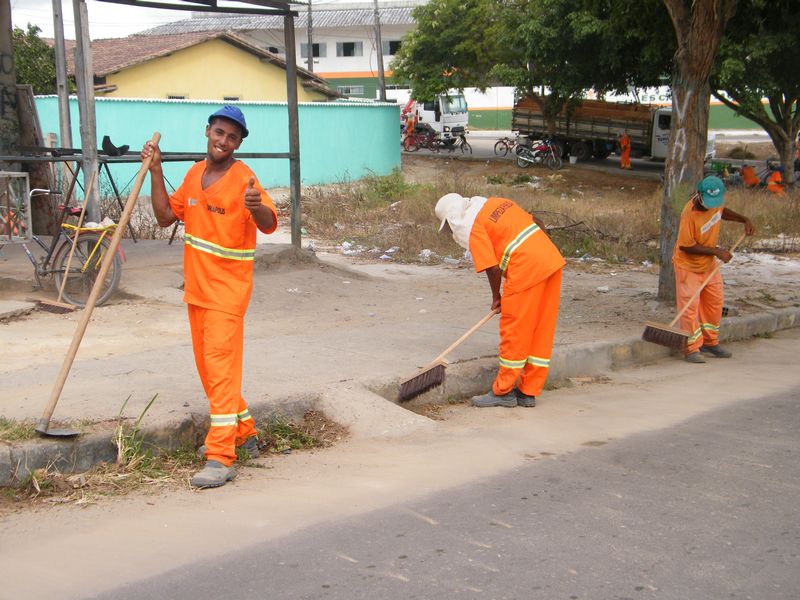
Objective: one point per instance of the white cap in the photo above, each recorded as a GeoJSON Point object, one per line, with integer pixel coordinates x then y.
{"type": "Point", "coordinates": [459, 213]}
{"type": "Point", "coordinates": [449, 204]}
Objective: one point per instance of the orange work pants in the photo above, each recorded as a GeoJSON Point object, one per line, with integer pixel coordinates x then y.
{"type": "Point", "coordinates": [527, 329]}
{"type": "Point", "coordinates": [703, 316]}
{"type": "Point", "coordinates": [218, 344]}
{"type": "Point", "coordinates": [625, 159]}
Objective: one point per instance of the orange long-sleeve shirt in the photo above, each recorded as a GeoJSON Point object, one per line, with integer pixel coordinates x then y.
{"type": "Point", "coordinates": [697, 227]}
{"type": "Point", "coordinates": [505, 235]}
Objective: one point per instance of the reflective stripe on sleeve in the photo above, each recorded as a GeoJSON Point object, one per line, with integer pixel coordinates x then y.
{"type": "Point", "coordinates": [709, 327]}
{"type": "Point", "coordinates": [515, 243]}
{"type": "Point", "coordinates": [217, 250]}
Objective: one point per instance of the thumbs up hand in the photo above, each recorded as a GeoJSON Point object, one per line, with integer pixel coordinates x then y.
{"type": "Point", "coordinates": [252, 197]}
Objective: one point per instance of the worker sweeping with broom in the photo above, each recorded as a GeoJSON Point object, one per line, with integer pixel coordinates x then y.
{"type": "Point", "coordinates": [505, 241]}
{"type": "Point", "coordinates": [694, 260]}
{"type": "Point", "coordinates": [222, 206]}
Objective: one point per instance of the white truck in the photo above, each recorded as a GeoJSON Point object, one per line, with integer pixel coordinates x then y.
{"type": "Point", "coordinates": [593, 128]}
{"type": "Point", "coordinates": [446, 114]}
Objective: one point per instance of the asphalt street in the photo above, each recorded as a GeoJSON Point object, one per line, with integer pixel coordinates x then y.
{"type": "Point", "coordinates": [706, 508]}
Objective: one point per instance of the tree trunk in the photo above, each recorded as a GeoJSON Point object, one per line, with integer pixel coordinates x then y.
{"type": "Point", "coordinates": [9, 121]}
{"type": "Point", "coordinates": [699, 25]}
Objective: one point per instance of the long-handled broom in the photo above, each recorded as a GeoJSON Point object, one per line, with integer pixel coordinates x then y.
{"type": "Point", "coordinates": [669, 335]}
{"type": "Point", "coordinates": [433, 375]}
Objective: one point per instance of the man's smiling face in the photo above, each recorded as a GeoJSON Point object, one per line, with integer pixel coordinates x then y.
{"type": "Point", "coordinates": [224, 138]}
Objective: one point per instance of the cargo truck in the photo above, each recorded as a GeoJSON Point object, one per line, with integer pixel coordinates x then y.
{"type": "Point", "coordinates": [592, 129]}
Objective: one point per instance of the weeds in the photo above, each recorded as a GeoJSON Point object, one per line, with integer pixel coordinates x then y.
{"type": "Point", "coordinates": [16, 431]}
{"type": "Point", "coordinates": [314, 431]}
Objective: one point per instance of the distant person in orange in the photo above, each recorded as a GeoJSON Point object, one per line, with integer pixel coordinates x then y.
{"type": "Point", "coordinates": [505, 241]}
{"type": "Point", "coordinates": [411, 123]}
{"type": "Point", "coordinates": [222, 206]}
{"type": "Point", "coordinates": [624, 151]}
{"type": "Point", "coordinates": [749, 177]}
{"type": "Point", "coordinates": [775, 181]}
{"type": "Point", "coordinates": [694, 258]}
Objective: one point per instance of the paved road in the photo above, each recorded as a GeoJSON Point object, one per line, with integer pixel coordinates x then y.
{"type": "Point", "coordinates": [707, 508]}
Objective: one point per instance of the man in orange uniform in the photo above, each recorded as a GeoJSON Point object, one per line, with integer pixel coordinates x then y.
{"type": "Point", "coordinates": [506, 241]}
{"type": "Point", "coordinates": [775, 181]}
{"type": "Point", "coordinates": [221, 205]}
{"type": "Point", "coordinates": [624, 151]}
{"type": "Point", "coordinates": [749, 177]}
{"type": "Point", "coordinates": [693, 260]}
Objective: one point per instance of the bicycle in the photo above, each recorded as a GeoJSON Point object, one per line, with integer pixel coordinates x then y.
{"type": "Point", "coordinates": [544, 151]}
{"type": "Point", "coordinates": [505, 145]}
{"type": "Point", "coordinates": [423, 138]}
{"type": "Point", "coordinates": [90, 247]}
{"type": "Point", "coordinates": [462, 144]}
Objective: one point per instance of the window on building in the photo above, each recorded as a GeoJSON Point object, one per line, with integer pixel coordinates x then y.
{"type": "Point", "coordinates": [391, 47]}
{"type": "Point", "coordinates": [176, 96]}
{"type": "Point", "coordinates": [350, 90]}
{"type": "Point", "coordinates": [231, 98]}
{"type": "Point", "coordinates": [349, 49]}
{"type": "Point", "coordinates": [317, 50]}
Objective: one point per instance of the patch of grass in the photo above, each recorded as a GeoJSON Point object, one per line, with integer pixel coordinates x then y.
{"type": "Point", "coordinates": [16, 431]}
{"type": "Point", "coordinates": [313, 431]}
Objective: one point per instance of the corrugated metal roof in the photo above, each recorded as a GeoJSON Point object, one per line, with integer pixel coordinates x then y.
{"type": "Point", "coordinates": [321, 19]}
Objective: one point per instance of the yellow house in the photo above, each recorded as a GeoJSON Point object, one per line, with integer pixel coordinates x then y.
{"type": "Point", "coordinates": [195, 66]}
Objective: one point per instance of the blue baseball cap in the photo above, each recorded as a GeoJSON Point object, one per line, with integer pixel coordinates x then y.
{"type": "Point", "coordinates": [712, 191]}
{"type": "Point", "coordinates": [231, 113]}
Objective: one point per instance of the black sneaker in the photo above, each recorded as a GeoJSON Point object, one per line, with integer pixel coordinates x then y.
{"type": "Point", "coordinates": [524, 399]}
{"type": "Point", "coordinates": [489, 400]}
{"type": "Point", "coordinates": [716, 351]}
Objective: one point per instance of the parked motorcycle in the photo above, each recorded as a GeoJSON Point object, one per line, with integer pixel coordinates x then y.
{"type": "Point", "coordinates": [539, 152]}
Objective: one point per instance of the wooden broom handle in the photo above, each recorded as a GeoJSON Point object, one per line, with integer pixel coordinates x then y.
{"type": "Point", "coordinates": [474, 328]}
{"type": "Point", "coordinates": [98, 285]}
{"type": "Point", "coordinates": [75, 238]}
{"type": "Point", "coordinates": [705, 282]}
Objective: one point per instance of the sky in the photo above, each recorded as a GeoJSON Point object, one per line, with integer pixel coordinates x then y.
{"type": "Point", "coordinates": [107, 20]}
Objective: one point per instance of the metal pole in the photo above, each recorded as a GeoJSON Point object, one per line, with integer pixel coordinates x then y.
{"type": "Point", "coordinates": [310, 40]}
{"type": "Point", "coordinates": [84, 78]}
{"type": "Point", "coordinates": [62, 85]}
{"type": "Point", "coordinates": [294, 127]}
{"type": "Point", "coordinates": [379, 44]}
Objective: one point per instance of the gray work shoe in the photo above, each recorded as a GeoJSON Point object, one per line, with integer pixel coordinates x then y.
{"type": "Point", "coordinates": [250, 446]}
{"type": "Point", "coordinates": [695, 357]}
{"type": "Point", "coordinates": [214, 474]}
{"type": "Point", "coordinates": [508, 400]}
{"type": "Point", "coordinates": [716, 351]}
{"type": "Point", "coordinates": [524, 399]}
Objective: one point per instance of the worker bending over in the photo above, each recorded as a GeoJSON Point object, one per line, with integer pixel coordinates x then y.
{"type": "Point", "coordinates": [694, 259]}
{"type": "Point", "coordinates": [506, 241]}
{"type": "Point", "coordinates": [221, 205]}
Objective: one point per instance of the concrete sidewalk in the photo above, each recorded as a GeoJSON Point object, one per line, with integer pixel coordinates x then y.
{"type": "Point", "coordinates": [343, 359]}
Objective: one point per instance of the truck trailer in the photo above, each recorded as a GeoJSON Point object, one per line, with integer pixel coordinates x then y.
{"type": "Point", "coordinates": [592, 129]}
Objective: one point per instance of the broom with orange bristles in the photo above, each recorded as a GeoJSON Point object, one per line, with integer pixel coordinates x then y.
{"type": "Point", "coordinates": [433, 375]}
{"type": "Point", "coordinates": [669, 335]}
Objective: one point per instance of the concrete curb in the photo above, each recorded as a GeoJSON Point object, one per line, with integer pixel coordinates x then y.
{"type": "Point", "coordinates": [363, 407]}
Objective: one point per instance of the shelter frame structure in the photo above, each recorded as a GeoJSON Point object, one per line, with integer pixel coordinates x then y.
{"type": "Point", "coordinates": [253, 7]}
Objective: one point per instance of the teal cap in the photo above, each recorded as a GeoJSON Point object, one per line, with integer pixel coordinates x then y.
{"type": "Point", "coordinates": [712, 191]}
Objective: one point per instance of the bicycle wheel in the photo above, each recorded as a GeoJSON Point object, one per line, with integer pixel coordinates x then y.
{"type": "Point", "coordinates": [436, 145]}
{"type": "Point", "coordinates": [84, 269]}
{"type": "Point", "coordinates": [465, 147]}
{"type": "Point", "coordinates": [501, 148]}
{"type": "Point", "coordinates": [410, 144]}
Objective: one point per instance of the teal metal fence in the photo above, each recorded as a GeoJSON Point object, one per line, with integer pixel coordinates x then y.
{"type": "Point", "coordinates": [339, 141]}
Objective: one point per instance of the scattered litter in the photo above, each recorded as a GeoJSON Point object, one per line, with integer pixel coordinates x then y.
{"type": "Point", "coordinates": [603, 289]}
{"type": "Point", "coordinates": [372, 314]}
{"type": "Point", "coordinates": [338, 226]}
{"type": "Point", "coordinates": [345, 281]}
{"type": "Point", "coordinates": [293, 290]}
{"type": "Point", "coordinates": [311, 246]}
{"type": "Point", "coordinates": [386, 257]}
{"type": "Point", "coordinates": [418, 298]}
{"type": "Point", "coordinates": [423, 310]}
{"type": "Point", "coordinates": [393, 249]}
{"type": "Point", "coordinates": [426, 254]}
{"type": "Point", "coordinates": [395, 204]}
{"type": "Point", "coordinates": [647, 264]}
{"type": "Point", "coordinates": [304, 231]}
{"type": "Point", "coordinates": [451, 261]}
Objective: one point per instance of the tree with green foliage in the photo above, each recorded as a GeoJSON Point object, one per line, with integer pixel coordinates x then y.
{"type": "Point", "coordinates": [758, 59]}
{"type": "Point", "coordinates": [34, 60]}
{"type": "Point", "coordinates": [9, 121]}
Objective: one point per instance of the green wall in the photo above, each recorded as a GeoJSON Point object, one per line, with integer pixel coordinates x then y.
{"type": "Point", "coordinates": [338, 140]}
